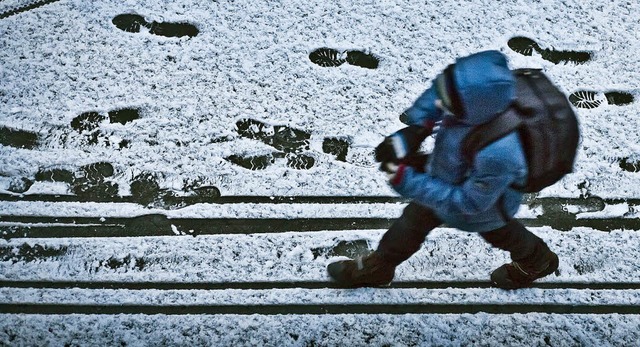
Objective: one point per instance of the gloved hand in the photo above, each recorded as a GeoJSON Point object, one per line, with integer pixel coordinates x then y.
{"type": "Point", "coordinates": [417, 160]}
{"type": "Point", "coordinates": [395, 174]}
{"type": "Point", "coordinates": [390, 169]}
{"type": "Point", "coordinates": [400, 144]}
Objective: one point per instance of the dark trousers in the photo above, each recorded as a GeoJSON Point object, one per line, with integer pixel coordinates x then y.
{"type": "Point", "coordinates": [407, 233]}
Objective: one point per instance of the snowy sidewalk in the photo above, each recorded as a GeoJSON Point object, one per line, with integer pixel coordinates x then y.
{"type": "Point", "coordinates": [180, 173]}
{"type": "Point", "coordinates": [269, 277]}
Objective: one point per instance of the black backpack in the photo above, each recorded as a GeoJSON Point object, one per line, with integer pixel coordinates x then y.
{"type": "Point", "coordinates": [547, 125]}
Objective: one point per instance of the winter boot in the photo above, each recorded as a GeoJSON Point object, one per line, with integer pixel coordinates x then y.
{"type": "Point", "coordinates": [364, 271]}
{"type": "Point", "coordinates": [520, 274]}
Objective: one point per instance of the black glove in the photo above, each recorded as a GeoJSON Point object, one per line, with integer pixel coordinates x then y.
{"type": "Point", "coordinates": [417, 161]}
{"type": "Point", "coordinates": [401, 144]}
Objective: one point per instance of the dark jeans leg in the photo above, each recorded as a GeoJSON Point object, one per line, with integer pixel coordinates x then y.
{"type": "Point", "coordinates": [407, 233]}
{"type": "Point", "coordinates": [514, 238]}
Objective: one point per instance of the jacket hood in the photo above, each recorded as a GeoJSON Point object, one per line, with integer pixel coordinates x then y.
{"type": "Point", "coordinates": [480, 86]}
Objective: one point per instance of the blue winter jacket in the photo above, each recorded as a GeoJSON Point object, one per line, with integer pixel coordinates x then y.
{"type": "Point", "coordinates": [476, 197]}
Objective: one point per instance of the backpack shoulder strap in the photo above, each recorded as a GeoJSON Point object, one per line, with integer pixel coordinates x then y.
{"type": "Point", "coordinates": [484, 134]}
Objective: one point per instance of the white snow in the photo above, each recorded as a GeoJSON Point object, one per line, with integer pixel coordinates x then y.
{"type": "Point", "coordinates": [250, 60]}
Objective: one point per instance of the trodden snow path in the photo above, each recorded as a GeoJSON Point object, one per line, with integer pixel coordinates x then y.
{"type": "Point", "coordinates": [181, 173]}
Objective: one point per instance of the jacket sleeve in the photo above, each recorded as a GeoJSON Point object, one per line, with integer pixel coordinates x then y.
{"type": "Point", "coordinates": [489, 179]}
{"type": "Point", "coordinates": [424, 112]}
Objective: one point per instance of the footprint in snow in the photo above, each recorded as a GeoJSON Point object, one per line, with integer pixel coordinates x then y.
{"type": "Point", "coordinates": [145, 190]}
{"type": "Point", "coordinates": [30, 253]}
{"type": "Point", "coordinates": [294, 146]}
{"type": "Point", "coordinates": [329, 57]}
{"type": "Point", "coordinates": [261, 162]}
{"type": "Point", "coordinates": [629, 165]}
{"type": "Point", "coordinates": [89, 181]}
{"type": "Point", "coordinates": [339, 147]}
{"type": "Point", "coordinates": [281, 137]}
{"type": "Point", "coordinates": [18, 138]}
{"type": "Point", "coordinates": [350, 249]}
{"type": "Point", "coordinates": [591, 99]}
{"type": "Point", "coordinates": [88, 124]}
{"type": "Point", "coordinates": [133, 23]}
{"type": "Point", "coordinates": [527, 46]}
{"type": "Point", "coordinates": [19, 184]}
{"type": "Point", "coordinates": [290, 143]}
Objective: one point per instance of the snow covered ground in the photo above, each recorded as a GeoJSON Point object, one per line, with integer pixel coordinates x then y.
{"type": "Point", "coordinates": [100, 124]}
